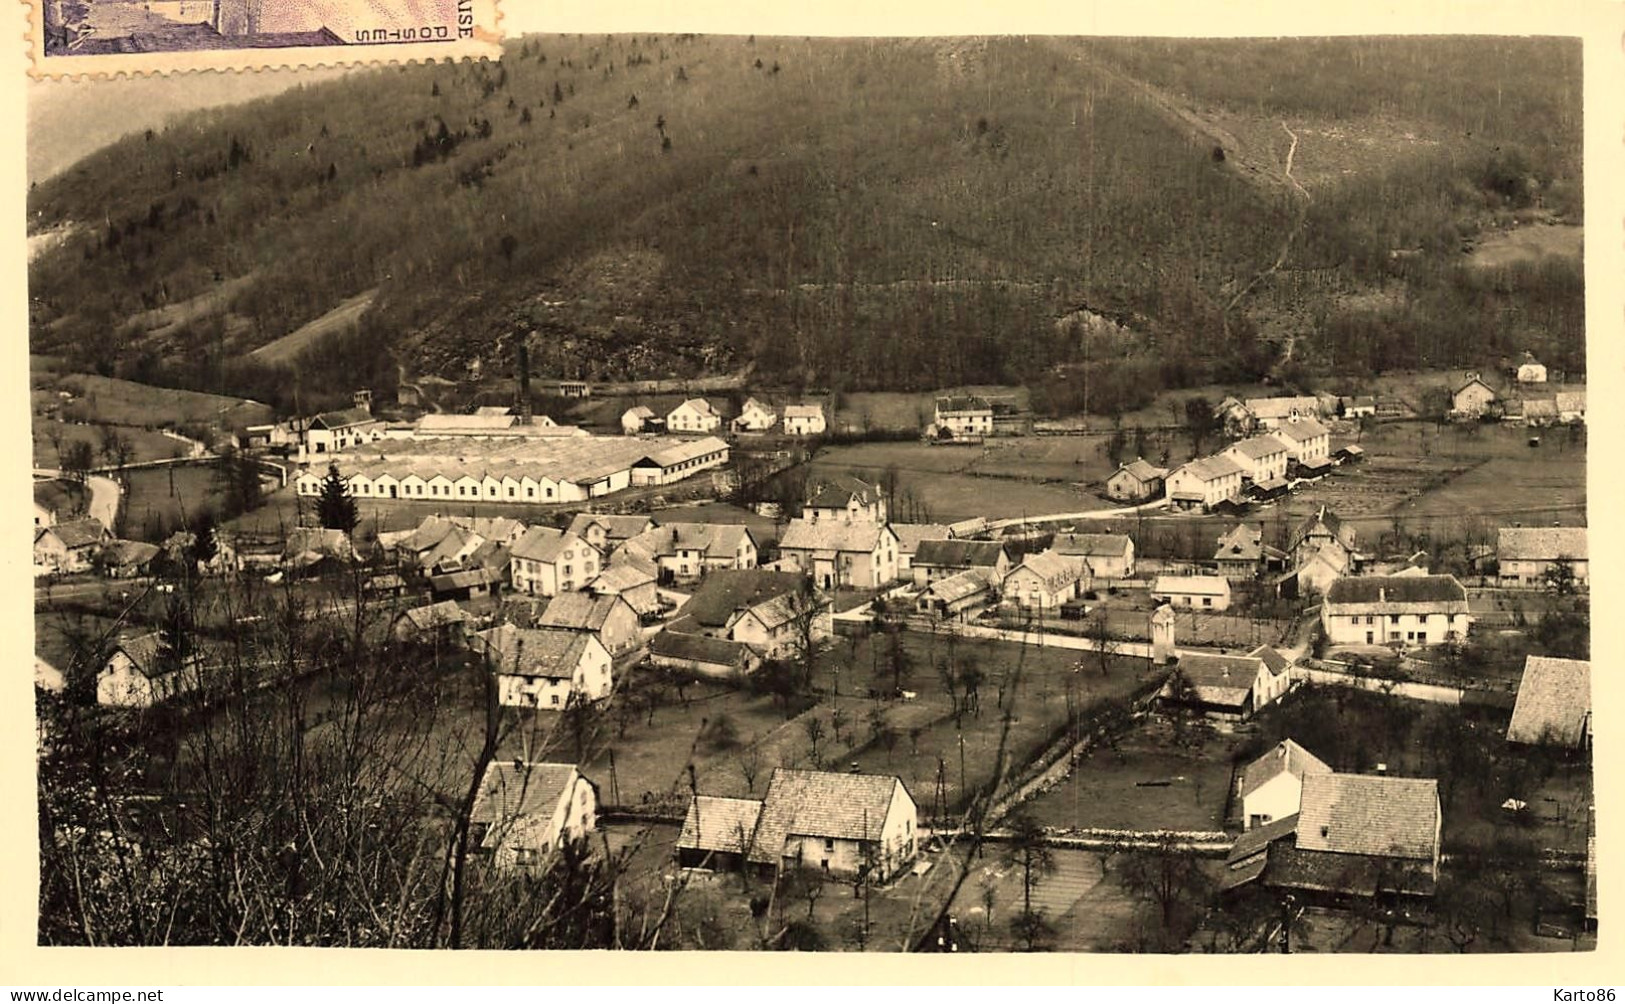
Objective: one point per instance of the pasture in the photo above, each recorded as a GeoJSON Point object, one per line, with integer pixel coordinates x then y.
{"type": "Point", "coordinates": [110, 401]}
{"type": "Point", "coordinates": [159, 500]}
{"type": "Point", "coordinates": [146, 444]}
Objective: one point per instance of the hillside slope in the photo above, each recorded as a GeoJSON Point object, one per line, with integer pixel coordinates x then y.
{"type": "Point", "coordinates": [866, 214]}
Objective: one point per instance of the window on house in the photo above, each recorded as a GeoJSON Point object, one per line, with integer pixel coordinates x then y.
{"type": "Point", "coordinates": [829, 843]}
{"type": "Point", "coordinates": [555, 700]}
{"type": "Point", "coordinates": [1393, 618]}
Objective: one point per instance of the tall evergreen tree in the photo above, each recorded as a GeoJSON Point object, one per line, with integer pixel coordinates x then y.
{"type": "Point", "coordinates": [335, 508]}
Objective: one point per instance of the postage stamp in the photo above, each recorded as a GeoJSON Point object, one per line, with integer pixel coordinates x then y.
{"type": "Point", "coordinates": [71, 38]}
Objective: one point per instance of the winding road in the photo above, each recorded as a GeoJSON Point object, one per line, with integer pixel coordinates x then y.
{"type": "Point", "coordinates": [104, 493]}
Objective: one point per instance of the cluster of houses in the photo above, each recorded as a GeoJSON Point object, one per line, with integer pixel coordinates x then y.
{"type": "Point", "coordinates": [699, 415]}
{"type": "Point", "coordinates": [1520, 400]}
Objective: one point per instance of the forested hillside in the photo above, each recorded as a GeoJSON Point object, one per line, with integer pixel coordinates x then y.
{"type": "Point", "coordinates": [852, 213]}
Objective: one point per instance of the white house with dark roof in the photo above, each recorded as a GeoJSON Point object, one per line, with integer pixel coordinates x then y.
{"type": "Point", "coordinates": [717, 658]}
{"type": "Point", "coordinates": [1307, 441]}
{"type": "Point", "coordinates": [964, 416]}
{"type": "Point", "coordinates": [140, 674]}
{"type": "Point", "coordinates": [938, 559]}
{"type": "Point", "coordinates": [1044, 581]}
{"type": "Point", "coordinates": [1106, 555]}
{"type": "Point", "coordinates": [909, 536]}
{"type": "Point", "coordinates": [673, 463]}
{"type": "Point", "coordinates": [1261, 458]}
{"type": "Point", "coordinates": [804, 420]}
{"type": "Point", "coordinates": [696, 415]}
{"type": "Point", "coordinates": [1135, 482]}
{"type": "Point", "coordinates": [840, 555]}
{"type": "Point", "coordinates": [443, 621]}
{"type": "Point", "coordinates": [1384, 609]}
{"type": "Point", "coordinates": [544, 667]}
{"type": "Point", "coordinates": [610, 619]}
{"type": "Point", "coordinates": [689, 550]}
{"type": "Point", "coordinates": [636, 419]}
{"type": "Point", "coordinates": [754, 417]}
{"type": "Point", "coordinates": [547, 562]}
{"type": "Point", "coordinates": [1207, 593]}
{"type": "Point", "coordinates": [845, 825]}
{"type": "Point", "coordinates": [1554, 704]}
{"type": "Point", "coordinates": [844, 499]}
{"type": "Point", "coordinates": [1204, 483]}
{"type": "Point", "coordinates": [634, 580]}
{"type": "Point", "coordinates": [1526, 555]}
{"type": "Point", "coordinates": [525, 811]}
{"type": "Point", "coordinates": [1272, 785]}
{"type": "Point", "coordinates": [1231, 687]}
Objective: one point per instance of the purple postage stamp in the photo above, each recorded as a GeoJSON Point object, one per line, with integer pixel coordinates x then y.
{"type": "Point", "coordinates": [96, 37]}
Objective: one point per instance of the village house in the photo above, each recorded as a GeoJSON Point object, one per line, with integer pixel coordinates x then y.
{"type": "Point", "coordinates": [69, 546]}
{"type": "Point", "coordinates": [1269, 413]}
{"type": "Point", "coordinates": [1044, 581]}
{"type": "Point", "coordinates": [1526, 555]}
{"type": "Point", "coordinates": [1227, 687]}
{"type": "Point", "coordinates": [1261, 458]}
{"type": "Point", "coordinates": [1204, 483]}
{"type": "Point", "coordinates": [717, 832]}
{"type": "Point", "coordinates": [714, 658]}
{"type": "Point", "coordinates": [840, 555]}
{"type": "Point", "coordinates": [960, 596]}
{"type": "Point", "coordinates": [845, 825]}
{"type": "Point", "coordinates": [443, 622]}
{"type": "Point", "coordinates": [755, 606]}
{"type": "Point", "coordinates": [1384, 609]}
{"type": "Point", "coordinates": [637, 419]}
{"type": "Point", "coordinates": [607, 532]}
{"type": "Point", "coordinates": [608, 618]}
{"type": "Point", "coordinates": [1473, 399]}
{"type": "Point", "coordinates": [1355, 837]}
{"type": "Point", "coordinates": [1308, 443]}
{"type": "Point", "coordinates": [1207, 593]}
{"type": "Point", "coordinates": [1571, 407]}
{"type": "Point", "coordinates": [526, 811]}
{"type": "Point", "coordinates": [1272, 785]}
{"type": "Point", "coordinates": [690, 550]}
{"type": "Point", "coordinates": [334, 431]}
{"type": "Point", "coordinates": [1108, 556]}
{"type": "Point", "coordinates": [1553, 707]}
{"type": "Point", "coordinates": [938, 559]}
{"type": "Point", "coordinates": [1234, 417]}
{"type": "Point", "coordinates": [547, 562]}
{"type": "Point", "coordinates": [963, 417]}
{"type": "Point", "coordinates": [696, 415]}
{"type": "Point", "coordinates": [546, 667]}
{"type": "Point", "coordinates": [754, 417]}
{"type": "Point", "coordinates": [44, 516]}
{"type": "Point", "coordinates": [1321, 548]}
{"type": "Point", "coordinates": [844, 499]}
{"type": "Point", "coordinates": [804, 420]}
{"type": "Point", "coordinates": [1135, 482]}
{"type": "Point", "coordinates": [632, 579]}
{"type": "Point", "coordinates": [1531, 370]}
{"type": "Point", "coordinates": [909, 536]}
{"type": "Point", "coordinates": [1357, 407]}
{"type": "Point", "coordinates": [1242, 554]}
{"type": "Point", "coordinates": [140, 673]}
{"type": "Point", "coordinates": [125, 559]}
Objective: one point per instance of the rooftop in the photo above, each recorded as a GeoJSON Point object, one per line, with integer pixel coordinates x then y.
{"type": "Point", "coordinates": [514, 789]}
{"type": "Point", "coordinates": [1286, 757]}
{"type": "Point", "coordinates": [959, 553]}
{"type": "Point", "coordinates": [1554, 702]}
{"type": "Point", "coordinates": [830, 535]}
{"type": "Point", "coordinates": [1395, 590]}
{"type": "Point", "coordinates": [721, 824]}
{"type": "Point", "coordinates": [1541, 543]}
{"type": "Point", "coordinates": [822, 804]}
{"type": "Point", "coordinates": [1369, 814]}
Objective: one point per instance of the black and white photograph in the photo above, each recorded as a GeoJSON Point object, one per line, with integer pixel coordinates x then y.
{"type": "Point", "coordinates": [934, 493]}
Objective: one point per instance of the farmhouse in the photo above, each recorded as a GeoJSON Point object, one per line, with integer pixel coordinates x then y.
{"type": "Point", "coordinates": [546, 562]}
{"type": "Point", "coordinates": [545, 668]}
{"type": "Point", "coordinates": [909, 536]}
{"type": "Point", "coordinates": [1527, 555]}
{"type": "Point", "coordinates": [1357, 407]}
{"type": "Point", "coordinates": [633, 580]}
{"type": "Point", "coordinates": [1261, 458]}
{"type": "Point", "coordinates": [1554, 704]}
{"type": "Point", "coordinates": [1381, 609]}
{"type": "Point", "coordinates": [938, 559]}
{"type": "Point", "coordinates": [754, 417]}
{"type": "Point", "coordinates": [847, 825]}
{"type": "Point", "coordinates": [689, 550]}
{"type": "Point", "coordinates": [1204, 483]}
{"type": "Point", "coordinates": [963, 417]}
{"type": "Point", "coordinates": [636, 420]}
{"type": "Point", "coordinates": [69, 546]}
{"type": "Point", "coordinates": [442, 622]}
{"type": "Point", "coordinates": [1325, 536]}
{"type": "Point", "coordinates": [525, 811]}
{"type": "Point", "coordinates": [1308, 443]}
{"type": "Point", "coordinates": [610, 619]}
{"type": "Point", "coordinates": [716, 658]}
{"type": "Point", "coordinates": [1242, 553]}
{"type": "Point", "coordinates": [1192, 592]}
{"type": "Point", "coordinates": [1272, 785]}
{"type": "Point", "coordinates": [1042, 582]}
{"type": "Point", "coordinates": [843, 555]}
{"type": "Point", "coordinates": [804, 420]}
{"type": "Point", "coordinates": [755, 606]}
{"type": "Point", "coordinates": [1571, 407]}
{"type": "Point", "coordinates": [694, 415]}
{"type": "Point", "coordinates": [1106, 555]}
{"type": "Point", "coordinates": [844, 499]}
{"type": "Point", "coordinates": [1273, 412]}
{"type": "Point", "coordinates": [959, 596]}
{"type": "Point", "coordinates": [1472, 400]}
{"type": "Point", "coordinates": [140, 673]}
{"type": "Point", "coordinates": [606, 532]}
{"type": "Point", "coordinates": [1227, 687]}
{"type": "Point", "coordinates": [1135, 482]}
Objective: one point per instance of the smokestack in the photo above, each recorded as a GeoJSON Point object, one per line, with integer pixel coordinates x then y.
{"type": "Point", "coordinates": [524, 382]}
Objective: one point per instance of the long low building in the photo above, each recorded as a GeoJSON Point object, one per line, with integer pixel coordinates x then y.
{"type": "Point", "coordinates": [570, 469]}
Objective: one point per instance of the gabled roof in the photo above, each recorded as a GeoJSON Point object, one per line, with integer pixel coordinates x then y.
{"type": "Point", "coordinates": [1554, 702]}
{"type": "Point", "coordinates": [1260, 837]}
{"type": "Point", "coordinates": [821, 804]}
{"type": "Point", "coordinates": [831, 535]}
{"type": "Point", "coordinates": [958, 586]}
{"type": "Point", "coordinates": [698, 648]}
{"type": "Point", "coordinates": [491, 527]}
{"type": "Point", "coordinates": [434, 615]}
{"type": "Point", "coordinates": [1380, 590]}
{"type": "Point", "coordinates": [1052, 568]}
{"type": "Point", "coordinates": [545, 544]}
{"type": "Point", "coordinates": [720, 824]}
{"type": "Point", "coordinates": [642, 411]}
{"type": "Point", "coordinates": [1286, 757]}
{"type": "Point", "coordinates": [578, 611]}
{"type": "Point", "coordinates": [1329, 521]}
{"type": "Point", "coordinates": [1469, 382]}
{"type": "Point", "coordinates": [466, 423]}
{"type": "Point", "coordinates": [143, 651]}
{"type": "Point", "coordinates": [699, 405]}
{"type": "Point", "coordinates": [513, 789]}
{"type": "Point", "coordinates": [1219, 679]}
{"type": "Point", "coordinates": [465, 579]}
{"type": "Point", "coordinates": [1369, 814]}
{"type": "Point", "coordinates": [1240, 543]}
{"type": "Point", "coordinates": [726, 591]}
{"type": "Point", "coordinates": [1571, 401]}
{"type": "Point", "coordinates": [840, 491]}
{"type": "Point", "coordinates": [964, 402]}
{"type": "Point", "coordinates": [1282, 407]}
{"type": "Point", "coordinates": [803, 411]}
{"type": "Point", "coordinates": [321, 541]}
{"type": "Point", "coordinates": [1196, 585]}
{"type": "Point", "coordinates": [624, 575]}
{"type": "Point", "coordinates": [348, 417]}
{"type": "Point", "coordinates": [959, 553]}
{"type": "Point", "coordinates": [615, 527]}
{"type": "Point", "coordinates": [76, 533]}
{"type": "Point", "coordinates": [1301, 430]}
{"type": "Point", "coordinates": [909, 535]}
{"type": "Point", "coordinates": [1141, 471]}
{"type": "Point", "coordinates": [1540, 407]}
{"type": "Point", "coordinates": [127, 553]}
{"type": "Point", "coordinates": [1259, 447]}
{"type": "Point", "coordinates": [1272, 658]}
{"type": "Point", "coordinates": [548, 653]}
{"type": "Point", "coordinates": [714, 540]}
{"type": "Point", "coordinates": [1211, 468]}
{"type": "Point", "coordinates": [1541, 543]}
{"type": "Point", "coordinates": [682, 452]}
{"type": "Point", "coordinates": [1092, 545]}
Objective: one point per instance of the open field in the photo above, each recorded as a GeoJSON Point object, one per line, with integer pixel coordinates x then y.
{"type": "Point", "coordinates": [344, 317]}
{"type": "Point", "coordinates": [899, 410]}
{"type": "Point", "coordinates": [1531, 244]}
{"type": "Point", "coordinates": [166, 496]}
{"type": "Point", "coordinates": [124, 402]}
{"type": "Point", "coordinates": [147, 444]}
